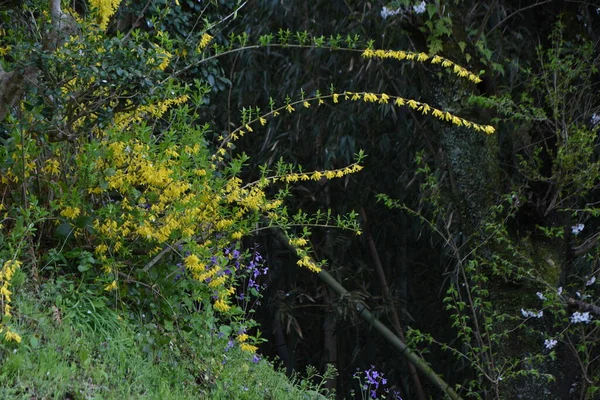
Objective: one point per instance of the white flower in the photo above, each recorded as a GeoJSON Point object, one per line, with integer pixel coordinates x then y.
{"type": "Point", "coordinates": [532, 314]}
{"type": "Point", "coordinates": [541, 296]}
{"type": "Point", "coordinates": [419, 8]}
{"type": "Point", "coordinates": [560, 290]}
{"type": "Point", "coordinates": [576, 229]}
{"type": "Point", "coordinates": [386, 12]}
{"type": "Point", "coordinates": [550, 343]}
{"type": "Point", "coordinates": [591, 281]}
{"type": "Point", "coordinates": [578, 317]}
{"type": "Point", "coordinates": [595, 117]}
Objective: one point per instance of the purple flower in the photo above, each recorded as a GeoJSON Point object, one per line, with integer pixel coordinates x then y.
{"type": "Point", "coordinates": [372, 380]}
{"type": "Point", "coordinates": [230, 344]}
{"type": "Point", "coordinates": [255, 359]}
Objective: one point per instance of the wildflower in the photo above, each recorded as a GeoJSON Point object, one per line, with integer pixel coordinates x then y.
{"type": "Point", "coordinates": [221, 306]}
{"type": "Point", "coordinates": [532, 314]}
{"type": "Point", "coordinates": [52, 167]}
{"type": "Point", "coordinates": [204, 41]}
{"type": "Point", "coordinates": [591, 281]}
{"type": "Point", "coordinates": [111, 286]}
{"type": "Point", "coordinates": [541, 296]}
{"type": "Point", "coordinates": [386, 12]}
{"type": "Point", "coordinates": [419, 8]}
{"type": "Point", "coordinates": [576, 229]}
{"type": "Point", "coordinates": [255, 359]}
{"type": "Point", "coordinates": [70, 212]}
{"type": "Point", "coordinates": [373, 379]}
{"type": "Point", "coordinates": [248, 347]}
{"type": "Point", "coordinates": [578, 317]}
{"type": "Point", "coordinates": [12, 336]}
{"type": "Point", "coordinates": [550, 343]}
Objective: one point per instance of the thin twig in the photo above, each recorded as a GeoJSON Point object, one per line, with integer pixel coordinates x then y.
{"type": "Point", "coordinates": [160, 255]}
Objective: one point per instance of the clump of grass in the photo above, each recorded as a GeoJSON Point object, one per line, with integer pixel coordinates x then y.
{"type": "Point", "coordinates": [75, 346]}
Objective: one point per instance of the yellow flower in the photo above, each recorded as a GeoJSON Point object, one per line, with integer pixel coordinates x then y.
{"type": "Point", "coordinates": [192, 262]}
{"type": "Point", "coordinates": [263, 121]}
{"type": "Point", "coordinates": [242, 338]}
{"type": "Point", "coordinates": [52, 167]}
{"type": "Point", "coordinates": [306, 104]}
{"type": "Point", "coordinates": [204, 41]}
{"type": "Point", "coordinates": [248, 347]}
{"type": "Point", "coordinates": [11, 336]}
{"type": "Point", "coordinates": [70, 212]}
{"type": "Point", "coordinates": [221, 306]}
{"type": "Point", "coordinates": [219, 281]}
{"type": "Point", "coordinates": [289, 108]}
{"type": "Point", "coordinates": [424, 108]}
{"type": "Point", "coordinates": [111, 286]}
{"type": "Point", "coordinates": [106, 9]}
{"type": "Point", "coordinates": [298, 242]}
{"type": "Point", "coordinates": [101, 249]}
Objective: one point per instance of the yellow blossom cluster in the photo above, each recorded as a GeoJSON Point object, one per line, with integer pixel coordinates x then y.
{"type": "Point", "coordinates": [105, 10]}
{"type": "Point", "coordinates": [157, 110]}
{"type": "Point", "coordinates": [421, 107]}
{"type": "Point", "coordinates": [111, 286]}
{"type": "Point", "coordinates": [52, 167]}
{"type": "Point", "coordinates": [6, 274]}
{"type": "Point", "coordinates": [244, 345]}
{"type": "Point", "coordinates": [164, 58]}
{"type": "Point", "coordinates": [204, 41]}
{"type": "Point", "coordinates": [22, 159]}
{"type": "Point", "coordinates": [163, 200]}
{"type": "Point", "coordinates": [70, 212]}
{"type": "Point", "coordinates": [422, 57]}
{"type": "Point", "coordinates": [317, 175]}
{"type": "Point", "coordinates": [304, 259]}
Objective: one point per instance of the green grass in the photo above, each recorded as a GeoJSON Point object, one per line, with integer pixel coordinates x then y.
{"type": "Point", "coordinates": [75, 346]}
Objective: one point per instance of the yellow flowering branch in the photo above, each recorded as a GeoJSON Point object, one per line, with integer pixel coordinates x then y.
{"type": "Point", "coordinates": [368, 97]}
{"type": "Point", "coordinates": [6, 274]}
{"type": "Point", "coordinates": [402, 55]}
